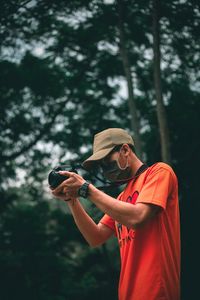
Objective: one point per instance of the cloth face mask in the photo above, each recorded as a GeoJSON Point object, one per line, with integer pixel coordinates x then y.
{"type": "Point", "coordinates": [114, 172]}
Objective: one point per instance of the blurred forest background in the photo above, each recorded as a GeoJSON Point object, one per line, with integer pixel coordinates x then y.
{"type": "Point", "coordinates": [69, 69]}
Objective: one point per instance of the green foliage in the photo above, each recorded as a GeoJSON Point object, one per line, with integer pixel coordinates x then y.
{"type": "Point", "coordinates": [43, 256]}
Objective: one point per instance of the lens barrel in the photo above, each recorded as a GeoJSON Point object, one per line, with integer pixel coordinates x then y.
{"type": "Point", "coordinates": [55, 179]}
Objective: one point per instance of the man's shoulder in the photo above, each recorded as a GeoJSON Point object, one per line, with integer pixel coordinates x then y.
{"type": "Point", "coordinates": [161, 166]}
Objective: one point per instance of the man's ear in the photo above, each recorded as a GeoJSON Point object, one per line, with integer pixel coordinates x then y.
{"type": "Point", "coordinates": [126, 149]}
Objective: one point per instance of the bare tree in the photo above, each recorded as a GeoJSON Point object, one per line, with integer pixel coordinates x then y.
{"type": "Point", "coordinates": [129, 79]}
{"type": "Point", "coordinates": [161, 112]}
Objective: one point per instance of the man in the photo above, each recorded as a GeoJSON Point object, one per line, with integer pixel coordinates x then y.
{"type": "Point", "coordinates": [145, 217]}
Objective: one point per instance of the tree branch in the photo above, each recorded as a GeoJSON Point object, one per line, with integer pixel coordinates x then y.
{"type": "Point", "coordinates": [42, 133]}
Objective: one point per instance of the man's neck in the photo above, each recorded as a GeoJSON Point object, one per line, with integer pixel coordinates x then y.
{"type": "Point", "coordinates": [135, 165]}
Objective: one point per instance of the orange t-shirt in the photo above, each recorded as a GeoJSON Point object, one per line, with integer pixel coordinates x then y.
{"type": "Point", "coordinates": [150, 255]}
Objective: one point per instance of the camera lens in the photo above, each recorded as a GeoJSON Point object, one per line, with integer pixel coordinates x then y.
{"type": "Point", "coordinates": [55, 179]}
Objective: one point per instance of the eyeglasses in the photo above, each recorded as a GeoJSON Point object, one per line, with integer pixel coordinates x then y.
{"type": "Point", "coordinates": [105, 164]}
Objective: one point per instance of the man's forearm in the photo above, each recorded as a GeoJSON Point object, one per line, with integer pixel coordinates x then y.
{"type": "Point", "coordinates": [123, 212]}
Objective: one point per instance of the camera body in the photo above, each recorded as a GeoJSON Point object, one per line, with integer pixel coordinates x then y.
{"type": "Point", "coordinates": [55, 179]}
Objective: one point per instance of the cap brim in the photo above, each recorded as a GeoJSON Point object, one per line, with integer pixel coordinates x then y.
{"type": "Point", "coordinates": [90, 162]}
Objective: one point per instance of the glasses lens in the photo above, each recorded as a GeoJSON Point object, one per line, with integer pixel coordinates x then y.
{"type": "Point", "coordinates": [109, 166]}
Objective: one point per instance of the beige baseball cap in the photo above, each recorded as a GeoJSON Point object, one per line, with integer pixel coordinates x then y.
{"type": "Point", "coordinates": [104, 143]}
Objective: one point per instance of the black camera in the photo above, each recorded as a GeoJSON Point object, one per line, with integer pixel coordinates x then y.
{"type": "Point", "coordinates": [55, 179]}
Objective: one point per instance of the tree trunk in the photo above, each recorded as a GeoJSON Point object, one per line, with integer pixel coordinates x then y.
{"type": "Point", "coordinates": [161, 113]}
{"type": "Point", "coordinates": [127, 70]}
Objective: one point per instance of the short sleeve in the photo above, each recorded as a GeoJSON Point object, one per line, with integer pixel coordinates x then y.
{"type": "Point", "coordinates": [158, 186]}
{"type": "Point", "coordinates": [108, 221]}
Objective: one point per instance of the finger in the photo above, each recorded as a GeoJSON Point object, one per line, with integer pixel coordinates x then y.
{"type": "Point", "coordinates": [66, 173]}
{"type": "Point", "coordinates": [66, 194]}
{"type": "Point", "coordinates": [66, 190]}
{"type": "Point", "coordinates": [66, 183]}
{"type": "Point", "coordinates": [71, 175]}
{"type": "Point", "coordinates": [67, 199]}
{"type": "Point", "coordinates": [58, 189]}
{"type": "Point", "coordinates": [53, 193]}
